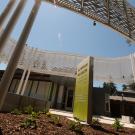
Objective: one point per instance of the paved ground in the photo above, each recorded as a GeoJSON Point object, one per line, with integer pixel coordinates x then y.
{"type": "Point", "coordinates": [62, 113]}
{"type": "Point", "coordinates": [102, 119]}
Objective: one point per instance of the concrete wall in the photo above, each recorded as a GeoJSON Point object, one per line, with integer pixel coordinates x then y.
{"type": "Point", "coordinates": [17, 101]}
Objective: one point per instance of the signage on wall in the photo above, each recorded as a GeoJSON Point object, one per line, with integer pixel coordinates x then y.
{"type": "Point", "coordinates": [83, 90]}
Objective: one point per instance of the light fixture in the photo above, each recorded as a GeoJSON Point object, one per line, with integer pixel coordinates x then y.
{"type": "Point", "coordinates": [94, 23]}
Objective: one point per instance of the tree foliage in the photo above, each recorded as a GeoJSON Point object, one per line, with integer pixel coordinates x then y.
{"type": "Point", "coordinates": [124, 87]}
{"type": "Point", "coordinates": [110, 87]}
{"type": "Point", "coordinates": [132, 86]}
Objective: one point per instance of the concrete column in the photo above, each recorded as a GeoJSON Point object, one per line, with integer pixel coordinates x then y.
{"type": "Point", "coordinates": [60, 97]}
{"type": "Point", "coordinates": [132, 58]}
{"type": "Point", "coordinates": [23, 75]}
{"type": "Point", "coordinates": [29, 70]}
{"type": "Point", "coordinates": [6, 33]}
{"type": "Point", "coordinates": [25, 83]}
{"type": "Point", "coordinates": [6, 11]}
{"type": "Point", "coordinates": [21, 82]}
{"type": "Point", "coordinates": [26, 66]}
{"type": "Point", "coordinates": [9, 73]}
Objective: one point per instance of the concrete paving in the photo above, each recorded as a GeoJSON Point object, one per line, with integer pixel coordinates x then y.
{"type": "Point", "coordinates": [102, 119]}
{"type": "Point", "coordinates": [62, 113]}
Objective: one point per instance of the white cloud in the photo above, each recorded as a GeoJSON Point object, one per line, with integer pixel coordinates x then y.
{"type": "Point", "coordinates": [59, 36]}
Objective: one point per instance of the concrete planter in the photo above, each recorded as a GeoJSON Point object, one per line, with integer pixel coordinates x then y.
{"type": "Point", "coordinates": [18, 101]}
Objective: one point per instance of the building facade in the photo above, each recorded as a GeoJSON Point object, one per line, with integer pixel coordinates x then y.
{"type": "Point", "coordinates": [57, 90]}
{"type": "Point", "coordinates": [124, 103]}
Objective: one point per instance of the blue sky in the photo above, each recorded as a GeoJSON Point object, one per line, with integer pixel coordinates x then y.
{"type": "Point", "coordinates": [57, 29]}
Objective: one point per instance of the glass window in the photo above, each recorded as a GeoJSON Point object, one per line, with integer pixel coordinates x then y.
{"type": "Point", "coordinates": [27, 89]}
{"type": "Point", "coordinates": [13, 85]}
{"type": "Point", "coordinates": [34, 88]}
{"type": "Point", "coordinates": [43, 90]}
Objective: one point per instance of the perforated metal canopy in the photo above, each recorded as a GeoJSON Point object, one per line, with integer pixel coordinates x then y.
{"type": "Point", "coordinates": [116, 14]}
{"type": "Point", "coordinates": [117, 70]}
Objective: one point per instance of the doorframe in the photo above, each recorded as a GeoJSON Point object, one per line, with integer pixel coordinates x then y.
{"type": "Point", "coordinates": [69, 108]}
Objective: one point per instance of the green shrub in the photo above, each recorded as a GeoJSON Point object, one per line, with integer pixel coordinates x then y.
{"type": "Point", "coordinates": [96, 122]}
{"type": "Point", "coordinates": [16, 112]}
{"type": "Point", "coordinates": [72, 125]}
{"type": "Point", "coordinates": [48, 114]}
{"type": "Point", "coordinates": [46, 110]}
{"type": "Point", "coordinates": [116, 125]}
{"type": "Point", "coordinates": [75, 126]}
{"type": "Point", "coordinates": [77, 119]}
{"type": "Point", "coordinates": [29, 123]}
{"type": "Point", "coordinates": [55, 120]}
{"type": "Point", "coordinates": [34, 114]}
{"type": "Point", "coordinates": [28, 110]}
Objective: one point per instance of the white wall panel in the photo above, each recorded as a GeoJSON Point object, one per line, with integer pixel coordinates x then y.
{"type": "Point", "coordinates": [117, 70]}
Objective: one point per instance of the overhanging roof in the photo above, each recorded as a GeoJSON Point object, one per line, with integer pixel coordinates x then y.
{"type": "Point", "coordinates": [116, 14]}
{"type": "Point", "coordinates": [119, 98]}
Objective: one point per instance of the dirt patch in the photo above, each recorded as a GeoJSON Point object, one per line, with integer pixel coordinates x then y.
{"type": "Point", "coordinates": [11, 125]}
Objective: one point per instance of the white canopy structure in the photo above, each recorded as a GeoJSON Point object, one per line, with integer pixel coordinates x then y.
{"type": "Point", "coordinates": [117, 70]}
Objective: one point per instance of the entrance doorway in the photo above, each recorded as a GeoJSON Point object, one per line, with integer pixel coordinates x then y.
{"type": "Point", "coordinates": [69, 100]}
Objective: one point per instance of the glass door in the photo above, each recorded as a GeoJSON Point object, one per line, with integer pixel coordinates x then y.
{"type": "Point", "coordinates": [69, 100]}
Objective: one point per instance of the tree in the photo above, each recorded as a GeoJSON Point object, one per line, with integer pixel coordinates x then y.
{"type": "Point", "coordinates": [110, 87]}
{"type": "Point", "coordinates": [124, 87]}
{"type": "Point", "coordinates": [132, 86]}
